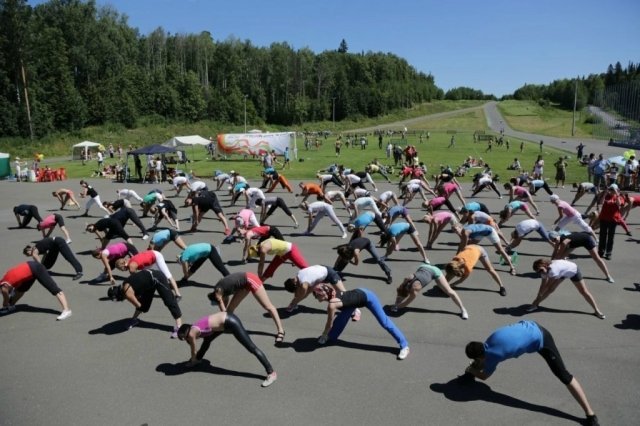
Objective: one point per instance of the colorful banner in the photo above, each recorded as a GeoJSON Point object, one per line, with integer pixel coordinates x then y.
{"type": "Point", "coordinates": [256, 143]}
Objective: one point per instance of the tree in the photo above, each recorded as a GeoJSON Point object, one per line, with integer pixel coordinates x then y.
{"type": "Point", "coordinates": [343, 48]}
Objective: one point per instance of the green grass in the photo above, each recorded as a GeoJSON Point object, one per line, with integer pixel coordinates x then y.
{"type": "Point", "coordinates": [433, 153]}
{"type": "Point", "coordinates": [528, 116]}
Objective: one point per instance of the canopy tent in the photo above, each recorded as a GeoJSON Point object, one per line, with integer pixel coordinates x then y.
{"type": "Point", "coordinates": [148, 150]}
{"type": "Point", "coordinates": [187, 140]}
{"type": "Point", "coordinates": [83, 148]}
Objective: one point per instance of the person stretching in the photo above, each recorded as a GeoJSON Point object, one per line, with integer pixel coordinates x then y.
{"type": "Point", "coordinates": [565, 243]}
{"type": "Point", "coordinates": [21, 277]}
{"type": "Point", "coordinates": [65, 196]}
{"type": "Point", "coordinates": [195, 255]}
{"type": "Point", "coordinates": [24, 213]}
{"type": "Point", "coordinates": [513, 340]}
{"type": "Point", "coordinates": [49, 248]}
{"type": "Point", "coordinates": [350, 253]}
{"type": "Point", "coordinates": [463, 263]}
{"type": "Point", "coordinates": [412, 285]}
{"type": "Point", "coordinates": [149, 259]}
{"type": "Point", "coordinates": [553, 272]}
{"type": "Point", "coordinates": [282, 251]}
{"type": "Point", "coordinates": [108, 256]}
{"type": "Point", "coordinates": [347, 302]}
{"type": "Point", "coordinates": [210, 327]}
{"type": "Point", "coordinates": [239, 285]}
{"type": "Point", "coordinates": [49, 223]}
{"type": "Point", "coordinates": [94, 198]}
{"type": "Point", "coordinates": [162, 237]}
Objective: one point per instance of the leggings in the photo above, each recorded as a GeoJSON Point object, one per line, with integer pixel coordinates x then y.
{"type": "Point", "coordinates": [31, 213]}
{"type": "Point", "coordinates": [161, 285]}
{"type": "Point", "coordinates": [125, 214]}
{"type": "Point", "coordinates": [116, 230]}
{"type": "Point", "coordinates": [279, 203]}
{"type": "Point", "coordinates": [332, 215]}
{"type": "Point", "coordinates": [40, 273]}
{"type": "Point", "coordinates": [60, 247]}
{"type": "Point", "coordinates": [294, 255]}
{"type": "Point", "coordinates": [373, 305]}
{"type": "Point", "coordinates": [215, 259]}
{"type": "Point", "coordinates": [342, 263]}
{"type": "Point", "coordinates": [483, 186]}
{"type": "Point", "coordinates": [233, 325]}
{"type": "Point", "coordinates": [607, 234]}
{"type": "Point", "coordinates": [273, 233]}
{"type": "Point", "coordinates": [544, 186]}
{"type": "Point", "coordinates": [552, 356]}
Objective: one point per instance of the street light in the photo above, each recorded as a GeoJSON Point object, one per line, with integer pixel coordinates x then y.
{"type": "Point", "coordinates": [333, 104]}
{"type": "Point", "coordinates": [245, 113]}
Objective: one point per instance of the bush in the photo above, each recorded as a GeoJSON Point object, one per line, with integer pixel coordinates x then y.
{"type": "Point", "coordinates": [592, 119]}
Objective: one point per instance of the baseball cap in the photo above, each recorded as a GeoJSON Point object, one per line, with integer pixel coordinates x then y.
{"type": "Point", "coordinates": [554, 197]}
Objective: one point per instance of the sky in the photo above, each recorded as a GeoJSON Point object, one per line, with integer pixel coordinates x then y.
{"type": "Point", "coordinates": [495, 46]}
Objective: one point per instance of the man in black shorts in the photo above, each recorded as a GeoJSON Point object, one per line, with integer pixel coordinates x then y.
{"type": "Point", "coordinates": [202, 204]}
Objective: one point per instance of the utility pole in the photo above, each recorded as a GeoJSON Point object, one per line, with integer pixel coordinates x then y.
{"type": "Point", "coordinates": [575, 103]}
{"type": "Point", "coordinates": [333, 103]}
{"type": "Point", "coordinates": [26, 98]}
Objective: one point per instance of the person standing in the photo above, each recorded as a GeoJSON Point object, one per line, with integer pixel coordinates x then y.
{"type": "Point", "coordinates": [138, 166]}
{"type": "Point", "coordinates": [513, 340]}
{"type": "Point", "coordinates": [610, 216]}
{"type": "Point", "coordinates": [561, 171]}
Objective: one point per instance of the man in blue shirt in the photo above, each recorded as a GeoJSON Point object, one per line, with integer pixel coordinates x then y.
{"type": "Point", "coordinates": [513, 340]}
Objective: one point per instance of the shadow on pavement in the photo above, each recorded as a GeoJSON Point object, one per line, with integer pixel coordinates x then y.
{"type": "Point", "coordinates": [204, 366]}
{"type": "Point", "coordinates": [122, 325]}
{"type": "Point", "coordinates": [465, 390]}
{"type": "Point", "coordinates": [631, 322]}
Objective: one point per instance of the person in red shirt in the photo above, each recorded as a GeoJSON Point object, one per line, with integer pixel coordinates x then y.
{"type": "Point", "coordinates": [610, 216]}
{"type": "Point", "coordinates": [21, 277]}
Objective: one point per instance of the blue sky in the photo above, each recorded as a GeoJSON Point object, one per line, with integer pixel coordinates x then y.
{"type": "Point", "coordinates": [494, 45]}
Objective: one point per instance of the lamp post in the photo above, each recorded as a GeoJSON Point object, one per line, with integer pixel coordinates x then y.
{"type": "Point", "coordinates": [333, 109]}
{"type": "Point", "coordinates": [245, 113]}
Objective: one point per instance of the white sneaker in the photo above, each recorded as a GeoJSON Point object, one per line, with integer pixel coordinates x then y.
{"type": "Point", "coordinates": [610, 280]}
{"type": "Point", "coordinates": [69, 241]}
{"type": "Point", "coordinates": [404, 353]}
{"type": "Point", "coordinates": [64, 315]}
{"type": "Point", "coordinates": [270, 379]}
{"type": "Point", "coordinates": [464, 315]}
{"type": "Point", "coordinates": [344, 235]}
{"type": "Point", "coordinates": [531, 308]}
{"type": "Point", "coordinates": [145, 237]}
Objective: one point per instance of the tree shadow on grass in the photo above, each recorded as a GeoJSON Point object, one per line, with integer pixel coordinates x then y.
{"type": "Point", "coordinates": [466, 390]}
{"type": "Point", "coordinates": [204, 366]}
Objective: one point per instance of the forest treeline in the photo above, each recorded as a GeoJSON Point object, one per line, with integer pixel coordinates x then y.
{"type": "Point", "coordinates": [617, 89]}
{"type": "Point", "coordinates": [84, 65]}
{"type": "Point", "coordinates": [68, 64]}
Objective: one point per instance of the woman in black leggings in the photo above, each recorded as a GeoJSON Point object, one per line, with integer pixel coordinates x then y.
{"type": "Point", "coordinates": [49, 248]}
{"type": "Point", "coordinates": [212, 326]}
{"type": "Point", "coordinates": [350, 253]}
{"type": "Point", "coordinates": [273, 203]}
{"type": "Point", "coordinates": [21, 277]}
{"type": "Point", "coordinates": [28, 212]}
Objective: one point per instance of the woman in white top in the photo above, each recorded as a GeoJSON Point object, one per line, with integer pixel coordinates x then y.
{"type": "Point", "coordinates": [553, 272]}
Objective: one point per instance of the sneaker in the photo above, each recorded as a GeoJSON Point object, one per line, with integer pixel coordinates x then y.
{"type": "Point", "coordinates": [404, 353]}
{"type": "Point", "coordinates": [503, 291]}
{"type": "Point", "coordinates": [270, 379]}
{"type": "Point", "coordinates": [106, 216]}
{"type": "Point", "coordinates": [600, 315]}
{"type": "Point", "coordinates": [134, 322]}
{"type": "Point", "coordinates": [69, 241]}
{"type": "Point", "coordinates": [610, 280]}
{"type": "Point", "coordinates": [77, 276]}
{"type": "Point", "coordinates": [389, 279]}
{"type": "Point", "coordinates": [629, 233]}
{"type": "Point", "coordinates": [464, 315]}
{"type": "Point", "coordinates": [592, 421]}
{"type": "Point", "coordinates": [393, 309]}
{"type": "Point", "coordinates": [145, 237]}
{"type": "Point", "coordinates": [64, 315]}
{"type": "Point", "coordinates": [174, 335]}
{"type": "Point", "coordinates": [397, 247]}
{"type": "Point", "coordinates": [7, 309]}
{"type": "Point", "coordinates": [178, 298]}
{"type": "Point", "coordinates": [344, 235]}
{"type": "Point", "coordinates": [532, 308]}
{"type": "Point", "coordinates": [356, 315]}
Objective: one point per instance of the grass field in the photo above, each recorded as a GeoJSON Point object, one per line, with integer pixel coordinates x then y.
{"type": "Point", "coordinates": [528, 116]}
{"type": "Point", "coordinates": [433, 153]}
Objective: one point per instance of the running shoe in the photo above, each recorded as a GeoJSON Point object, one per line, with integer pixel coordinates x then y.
{"type": "Point", "coordinates": [600, 315]}
{"type": "Point", "coordinates": [610, 279]}
{"type": "Point", "coordinates": [64, 315]}
{"type": "Point", "coordinates": [134, 322]}
{"type": "Point", "coordinates": [464, 315]}
{"type": "Point", "coordinates": [271, 378]}
{"type": "Point", "coordinates": [69, 241]}
{"type": "Point", "coordinates": [503, 291]}
{"type": "Point", "coordinates": [77, 276]}
{"type": "Point", "coordinates": [145, 237]}
{"type": "Point", "coordinates": [532, 308]}
{"type": "Point", "coordinates": [404, 353]}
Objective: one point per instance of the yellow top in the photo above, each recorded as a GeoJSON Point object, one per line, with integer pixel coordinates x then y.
{"type": "Point", "coordinates": [278, 247]}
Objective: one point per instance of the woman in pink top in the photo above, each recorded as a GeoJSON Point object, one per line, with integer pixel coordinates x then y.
{"type": "Point", "coordinates": [437, 222]}
{"type": "Point", "coordinates": [437, 202]}
{"type": "Point", "coordinates": [108, 257]}
{"type": "Point", "coordinates": [450, 188]}
{"type": "Point", "coordinates": [567, 215]}
{"type": "Point", "coordinates": [520, 193]}
{"type": "Point", "coordinates": [49, 223]}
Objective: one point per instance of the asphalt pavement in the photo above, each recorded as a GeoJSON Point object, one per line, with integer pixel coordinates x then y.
{"type": "Point", "coordinates": [89, 369]}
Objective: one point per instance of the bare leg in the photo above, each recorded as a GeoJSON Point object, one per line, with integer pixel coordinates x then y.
{"type": "Point", "coordinates": [576, 391]}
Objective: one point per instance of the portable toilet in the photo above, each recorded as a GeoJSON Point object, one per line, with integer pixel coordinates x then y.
{"type": "Point", "coordinates": [5, 165]}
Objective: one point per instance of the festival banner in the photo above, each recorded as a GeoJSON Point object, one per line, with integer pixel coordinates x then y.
{"type": "Point", "coordinates": [256, 143]}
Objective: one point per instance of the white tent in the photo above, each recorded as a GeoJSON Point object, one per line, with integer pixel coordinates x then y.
{"type": "Point", "coordinates": [82, 147]}
{"type": "Point", "coordinates": [187, 140]}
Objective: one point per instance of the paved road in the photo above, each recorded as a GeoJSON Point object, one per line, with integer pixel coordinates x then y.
{"type": "Point", "coordinates": [90, 370]}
